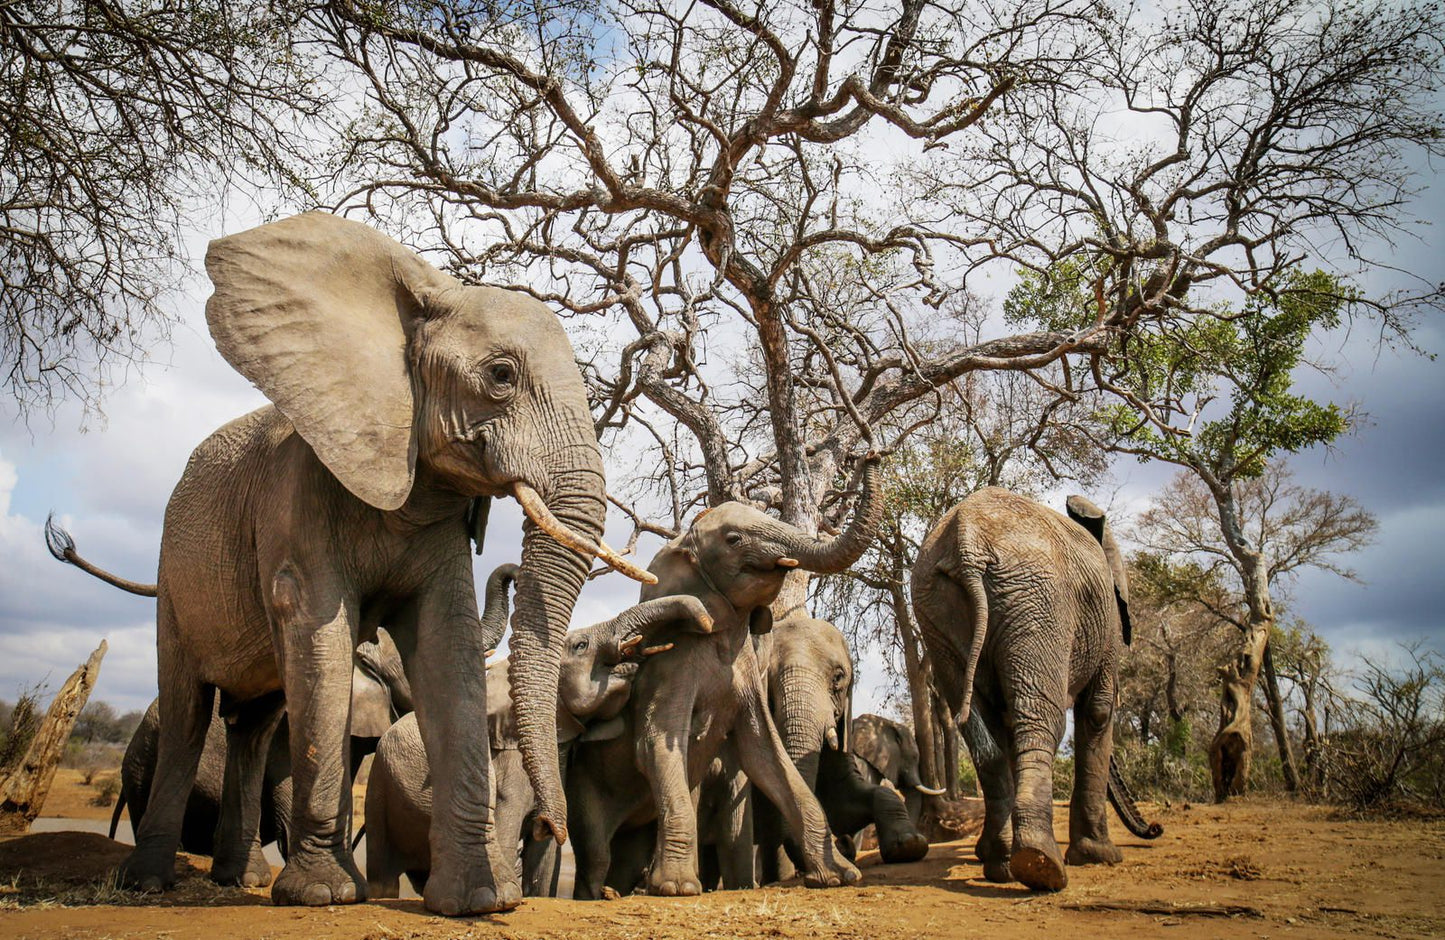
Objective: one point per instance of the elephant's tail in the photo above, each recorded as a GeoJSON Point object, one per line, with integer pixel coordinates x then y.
{"type": "Point", "coordinates": [1123, 802]}
{"type": "Point", "coordinates": [356, 840]}
{"type": "Point", "coordinates": [62, 546]}
{"type": "Point", "coordinates": [115, 816]}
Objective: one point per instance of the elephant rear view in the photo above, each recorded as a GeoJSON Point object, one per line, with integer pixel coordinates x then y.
{"type": "Point", "coordinates": [1024, 611]}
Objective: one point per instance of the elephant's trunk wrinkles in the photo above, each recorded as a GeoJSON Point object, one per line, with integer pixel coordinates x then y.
{"type": "Point", "coordinates": [802, 723]}
{"type": "Point", "coordinates": [494, 613]}
{"type": "Point", "coordinates": [828, 557]}
{"type": "Point", "coordinates": [546, 589]}
{"type": "Point", "coordinates": [643, 621]}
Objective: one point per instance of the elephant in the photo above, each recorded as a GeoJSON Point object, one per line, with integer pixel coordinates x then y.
{"type": "Point", "coordinates": [685, 702]}
{"type": "Point", "coordinates": [810, 688]}
{"type": "Point", "coordinates": [1024, 611]}
{"type": "Point", "coordinates": [886, 751]}
{"type": "Point", "coordinates": [401, 402]}
{"type": "Point", "coordinates": [379, 695]}
{"type": "Point", "coordinates": [598, 666]}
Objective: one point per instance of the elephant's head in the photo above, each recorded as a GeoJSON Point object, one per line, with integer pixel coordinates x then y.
{"type": "Point", "coordinates": [890, 753]}
{"type": "Point", "coordinates": [734, 557]}
{"type": "Point", "coordinates": [810, 684]}
{"type": "Point", "coordinates": [599, 664]}
{"type": "Point", "coordinates": [416, 391]}
{"type": "Point", "coordinates": [380, 693]}
{"type": "Point", "coordinates": [1091, 517]}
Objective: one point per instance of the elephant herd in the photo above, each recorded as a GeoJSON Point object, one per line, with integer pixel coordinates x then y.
{"type": "Point", "coordinates": [318, 551]}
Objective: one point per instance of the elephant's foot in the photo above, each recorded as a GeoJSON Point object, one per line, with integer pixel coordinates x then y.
{"type": "Point", "coordinates": [674, 877]}
{"type": "Point", "coordinates": [1093, 852]}
{"type": "Point", "coordinates": [1037, 863]}
{"type": "Point", "coordinates": [316, 879]}
{"type": "Point", "coordinates": [253, 871]}
{"type": "Point", "coordinates": [997, 871]}
{"type": "Point", "coordinates": [909, 848]}
{"type": "Point", "coordinates": [453, 890]}
{"type": "Point", "coordinates": [149, 871]}
{"type": "Point", "coordinates": [833, 873]}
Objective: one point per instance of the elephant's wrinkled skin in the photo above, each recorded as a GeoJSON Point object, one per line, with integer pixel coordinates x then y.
{"type": "Point", "coordinates": [379, 695]}
{"type": "Point", "coordinates": [1024, 611]}
{"type": "Point", "coordinates": [401, 398]}
{"type": "Point", "coordinates": [598, 666]}
{"type": "Point", "coordinates": [686, 701]}
{"type": "Point", "coordinates": [810, 687]}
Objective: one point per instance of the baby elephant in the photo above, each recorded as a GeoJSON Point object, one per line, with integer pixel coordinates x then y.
{"type": "Point", "coordinates": [599, 664]}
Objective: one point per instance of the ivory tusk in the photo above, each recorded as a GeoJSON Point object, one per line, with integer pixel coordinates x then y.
{"type": "Point", "coordinates": [929, 790]}
{"type": "Point", "coordinates": [537, 511]}
{"type": "Point", "coordinates": [629, 645]}
{"type": "Point", "coordinates": [831, 736]}
{"type": "Point", "coordinates": [654, 650]}
{"type": "Point", "coordinates": [786, 562]}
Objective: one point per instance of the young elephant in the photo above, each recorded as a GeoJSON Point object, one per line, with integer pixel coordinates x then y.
{"type": "Point", "coordinates": [687, 701]}
{"type": "Point", "coordinates": [379, 695]}
{"type": "Point", "coordinates": [810, 689]}
{"type": "Point", "coordinates": [1024, 611]}
{"type": "Point", "coordinates": [402, 400]}
{"type": "Point", "coordinates": [884, 750]}
{"type": "Point", "coordinates": [598, 667]}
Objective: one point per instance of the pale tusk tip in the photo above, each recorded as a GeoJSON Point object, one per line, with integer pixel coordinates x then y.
{"type": "Point", "coordinates": [929, 791]}
{"type": "Point", "coordinates": [786, 562]}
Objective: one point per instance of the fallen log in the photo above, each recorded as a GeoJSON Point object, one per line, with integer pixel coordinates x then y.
{"type": "Point", "coordinates": [1164, 908]}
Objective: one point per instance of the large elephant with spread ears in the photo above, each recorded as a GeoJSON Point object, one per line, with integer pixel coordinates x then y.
{"type": "Point", "coordinates": [1024, 611]}
{"type": "Point", "coordinates": [401, 401]}
{"type": "Point", "coordinates": [685, 701]}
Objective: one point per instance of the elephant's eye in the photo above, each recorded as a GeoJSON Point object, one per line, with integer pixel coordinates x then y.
{"type": "Point", "coordinates": [840, 677]}
{"type": "Point", "coordinates": [503, 373]}
{"type": "Point", "coordinates": [734, 538]}
{"type": "Point", "coordinates": [579, 646]}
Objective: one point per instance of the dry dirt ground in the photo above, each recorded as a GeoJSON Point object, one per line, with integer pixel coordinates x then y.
{"type": "Point", "coordinates": [1250, 869]}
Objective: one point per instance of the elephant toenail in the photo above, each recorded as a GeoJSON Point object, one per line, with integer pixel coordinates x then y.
{"type": "Point", "coordinates": [316, 896]}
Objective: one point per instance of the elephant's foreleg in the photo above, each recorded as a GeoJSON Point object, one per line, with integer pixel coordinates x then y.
{"type": "Point", "coordinates": [662, 757]}
{"type": "Point", "coordinates": [185, 716]}
{"type": "Point", "coordinates": [315, 627]}
{"type": "Point", "coordinates": [471, 872]}
{"type": "Point", "coordinates": [766, 762]}
{"type": "Point", "coordinates": [238, 857]}
{"type": "Point", "coordinates": [996, 778]}
{"type": "Point", "coordinates": [735, 836]}
{"type": "Point", "coordinates": [383, 870]}
{"type": "Point", "coordinates": [1089, 841]}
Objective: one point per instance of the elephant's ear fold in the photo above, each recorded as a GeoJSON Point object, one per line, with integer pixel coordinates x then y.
{"type": "Point", "coordinates": [316, 311]}
{"type": "Point", "coordinates": [1092, 518]}
{"type": "Point", "coordinates": [760, 621]}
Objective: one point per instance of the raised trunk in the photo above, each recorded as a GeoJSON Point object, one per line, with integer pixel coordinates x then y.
{"type": "Point", "coordinates": [829, 557]}
{"type": "Point", "coordinates": [1278, 723]}
{"type": "Point", "coordinates": [496, 608]}
{"type": "Point", "coordinates": [547, 586]}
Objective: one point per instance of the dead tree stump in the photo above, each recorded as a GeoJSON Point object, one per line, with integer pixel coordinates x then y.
{"type": "Point", "coordinates": [23, 793]}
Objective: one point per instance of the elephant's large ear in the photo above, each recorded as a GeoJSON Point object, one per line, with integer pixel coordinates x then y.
{"type": "Point", "coordinates": [316, 311]}
{"type": "Point", "coordinates": [760, 621]}
{"type": "Point", "coordinates": [1091, 517]}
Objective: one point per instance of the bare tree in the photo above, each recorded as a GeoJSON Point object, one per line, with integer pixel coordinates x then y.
{"type": "Point", "coordinates": [697, 187]}
{"type": "Point", "coordinates": [1275, 529]}
{"type": "Point", "coordinates": [119, 118]}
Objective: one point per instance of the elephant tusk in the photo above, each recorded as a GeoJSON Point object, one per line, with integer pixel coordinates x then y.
{"type": "Point", "coordinates": [654, 650]}
{"type": "Point", "coordinates": [786, 562]}
{"type": "Point", "coordinates": [930, 791]}
{"type": "Point", "coordinates": [630, 645]}
{"type": "Point", "coordinates": [537, 511]}
{"type": "Point", "coordinates": [831, 736]}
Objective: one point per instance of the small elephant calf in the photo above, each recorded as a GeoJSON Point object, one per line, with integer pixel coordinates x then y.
{"type": "Point", "coordinates": [598, 666]}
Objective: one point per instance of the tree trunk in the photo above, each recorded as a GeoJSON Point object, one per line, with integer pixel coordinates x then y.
{"type": "Point", "coordinates": [920, 693]}
{"type": "Point", "coordinates": [1233, 745]}
{"type": "Point", "coordinates": [22, 794]}
{"type": "Point", "coordinates": [1277, 721]}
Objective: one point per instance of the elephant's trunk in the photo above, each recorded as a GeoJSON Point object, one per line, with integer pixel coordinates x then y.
{"type": "Point", "coordinates": [802, 724]}
{"type": "Point", "coordinates": [836, 555]}
{"type": "Point", "coordinates": [494, 613]}
{"type": "Point", "coordinates": [642, 622]}
{"type": "Point", "coordinates": [547, 585]}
